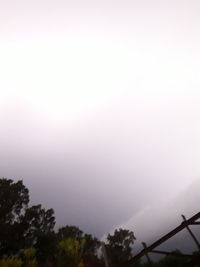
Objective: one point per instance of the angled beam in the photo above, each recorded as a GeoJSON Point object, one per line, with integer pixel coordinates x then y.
{"type": "Point", "coordinates": [191, 233]}
{"type": "Point", "coordinates": [195, 223]}
{"type": "Point", "coordinates": [172, 253]}
{"type": "Point", "coordinates": [147, 256]}
{"type": "Point", "coordinates": [163, 239]}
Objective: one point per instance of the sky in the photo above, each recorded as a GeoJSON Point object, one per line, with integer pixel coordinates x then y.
{"type": "Point", "coordinates": [99, 105]}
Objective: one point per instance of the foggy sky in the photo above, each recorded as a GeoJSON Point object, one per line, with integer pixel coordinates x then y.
{"type": "Point", "coordinates": [99, 105]}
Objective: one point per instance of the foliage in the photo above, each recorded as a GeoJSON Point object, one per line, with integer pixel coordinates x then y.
{"type": "Point", "coordinates": [37, 221]}
{"type": "Point", "coordinates": [11, 262]}
{"type": "Point", "coordinates": [29, 253]}
{"type": "Point", "coordinates": [20, 225]}
{"type": "Point", "coordinates": [70, 252]}
{"type": "Point", "coordinates": [172, 260]}
{"type": "Point", "coordinates": [46, 246]}
{"type": "Point", "coordinates": [91, 244]}
{"type": "Point", "coordinates": [28, 232]}
{"type": "Point", "coordinates": [29, 257]}
{"type": "Point", "coordinates": [69, 231]}
{"type": "Point", "coordinates": [14, 199]}
{"type": "Point", "coordinates": [119, 247]}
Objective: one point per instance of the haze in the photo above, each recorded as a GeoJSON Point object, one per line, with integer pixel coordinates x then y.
{"type": "Point", "coordinates": [99, 105]}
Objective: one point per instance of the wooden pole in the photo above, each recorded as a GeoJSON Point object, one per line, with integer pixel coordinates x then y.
{"type": "Point", "coordinates": [191, 233]}
{"type": "Point", "coordinates": [147, 256]}
{"type": "Point", "coordinates": [163, 239]}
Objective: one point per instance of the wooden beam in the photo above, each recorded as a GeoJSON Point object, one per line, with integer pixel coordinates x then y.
{"type": "Point", "coordinates": [195, 223]}
{"type": "Point", "coordinates": [171, 253]}
{"type": "Point", "coordinates": [163, 239]}
{"type": "Point", "coordinates": [191, 233]}
{"type": "Point", "coordinates": [147, 256]}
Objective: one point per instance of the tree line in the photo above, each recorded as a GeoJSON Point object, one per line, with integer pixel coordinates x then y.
{"type": "Point", "coordinates": [28, 237]}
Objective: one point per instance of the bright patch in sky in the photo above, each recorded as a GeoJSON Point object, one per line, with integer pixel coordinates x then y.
{"type": "Point", "coordinates": [102, 94]}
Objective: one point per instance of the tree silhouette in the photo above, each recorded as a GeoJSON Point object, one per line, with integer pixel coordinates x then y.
{"type": "Point", "coordinates": [20, 226]}
{"type": "Point", "coordinates": [119, 247]}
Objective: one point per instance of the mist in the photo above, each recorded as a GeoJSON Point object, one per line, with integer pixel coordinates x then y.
{"type": "Point", "coordinates": [99, 107]}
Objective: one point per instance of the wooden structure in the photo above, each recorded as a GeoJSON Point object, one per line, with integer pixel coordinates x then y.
{"type": "Point", "coordinates": [192, 259]}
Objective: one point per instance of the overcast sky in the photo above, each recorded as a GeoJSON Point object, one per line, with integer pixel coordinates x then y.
{"type": "Point", "coordinates": [99, 104]}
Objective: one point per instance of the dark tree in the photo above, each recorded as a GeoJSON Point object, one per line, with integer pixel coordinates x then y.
{"type": "Point", "coordinates": [20, 226]}
{"type": "Point", "coordinates": [172, 260]}
{"type": "Point", "coordinates": [91, 244]}
{"type": "Point", "coordinates": [69, 231]}
{"type": "Point", "coordinates": [46, 246]}
{"type": "Point", "coordinates": [119, 247]}
{"type": "Point", "coordinates": [14, 198]}
{"type": "Point", "coordinates": [37, 222]}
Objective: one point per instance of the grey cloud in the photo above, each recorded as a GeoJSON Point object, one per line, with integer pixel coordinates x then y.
{"type": "Point", "coordinates": [99, 105]}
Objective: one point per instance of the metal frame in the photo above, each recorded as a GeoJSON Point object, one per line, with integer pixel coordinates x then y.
{"type": "Point", "coordinates": [192, 259]}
